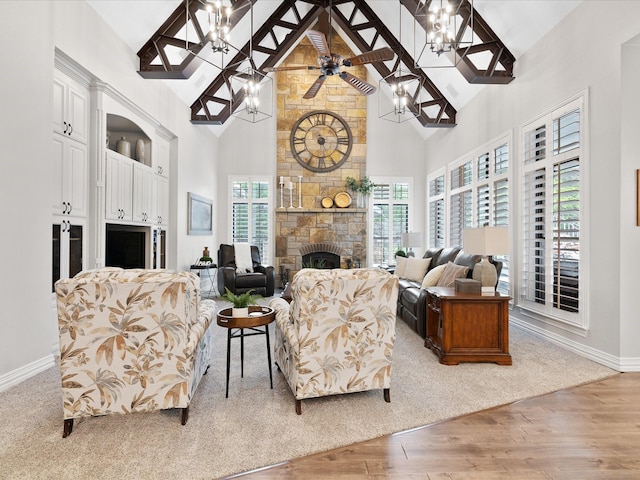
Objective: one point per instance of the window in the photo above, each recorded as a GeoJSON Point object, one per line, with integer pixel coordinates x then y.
{"type": "Point", "coordinates": [251, 213]}
{"type": "Point", "coordinates": [551, 195]}
{"type": "Point", "coordinates": [391, 200]}
{"type": "Point", "coordinates": [435, 211]}
{"type": "Point", "coordinates": [477, 195]}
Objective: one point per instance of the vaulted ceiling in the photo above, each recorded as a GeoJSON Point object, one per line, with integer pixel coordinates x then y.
{"type": "Point", "coordinates": [178, 51]}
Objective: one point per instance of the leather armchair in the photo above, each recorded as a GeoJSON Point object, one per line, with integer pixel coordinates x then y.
{"type": "Point", "coordinates": [262, 280]}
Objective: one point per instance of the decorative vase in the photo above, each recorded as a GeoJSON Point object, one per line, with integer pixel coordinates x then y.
{"type": "Point", "coordinates": [239, 312]}
{"type": "Point", "coordinates": [123, 147]}
{"type": "Point", "coordinates": [140, 150]}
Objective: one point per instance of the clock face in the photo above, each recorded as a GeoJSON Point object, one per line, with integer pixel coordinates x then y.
{"type": "Point", "coordinates": [321, 141]}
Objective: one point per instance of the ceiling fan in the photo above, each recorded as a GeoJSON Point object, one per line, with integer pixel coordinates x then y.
{"type": "Point", "coordinates": [332, 63]}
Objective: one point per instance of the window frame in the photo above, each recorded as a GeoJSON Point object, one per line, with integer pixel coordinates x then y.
{"type": "Point", "coordinates": [547, 312]}
{"type": "Point", "coordinates": [265, 253]}
{"type": "Point", "coordinates": [382, 180]}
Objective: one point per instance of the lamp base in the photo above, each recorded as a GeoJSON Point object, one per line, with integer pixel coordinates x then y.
{"type": "Point", "coordinates": [485, 273]}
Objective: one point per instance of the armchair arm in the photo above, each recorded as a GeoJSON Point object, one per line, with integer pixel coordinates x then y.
{"type": "Point", "coordinates": [284, 322]}
{"type": "Point", "coordinates": [226, 278]}
{"type": "Point", "coordinates": [270, 273]}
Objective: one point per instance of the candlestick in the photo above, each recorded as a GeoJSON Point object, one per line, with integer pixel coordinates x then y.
{"type": "Point", "coordinates": [290, 187]}
{"type": "Point", "coordinates": [281, 192]}
{"type": "Point", "coordinates": [299, 191]}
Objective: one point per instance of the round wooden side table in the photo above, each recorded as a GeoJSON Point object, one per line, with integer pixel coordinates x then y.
{"type": "Point", "coordinates": [259, 316]}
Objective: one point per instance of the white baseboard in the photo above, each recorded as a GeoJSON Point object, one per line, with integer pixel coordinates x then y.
{"type": "Point", "coordinates": [19, 375]}
{"type": "Point", "coordinates": [598, 356]}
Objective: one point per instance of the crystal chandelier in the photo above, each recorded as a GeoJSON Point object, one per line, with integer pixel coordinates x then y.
{"type": "Point", "coordinates": [219, 26]}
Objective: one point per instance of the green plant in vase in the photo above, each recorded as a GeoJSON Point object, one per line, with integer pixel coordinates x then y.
{"type": "Point", "coordinates": [241, 302]}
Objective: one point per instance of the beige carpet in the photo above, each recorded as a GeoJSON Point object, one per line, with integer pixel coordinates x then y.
{"type": "Point", "coordinates": [257, 426]}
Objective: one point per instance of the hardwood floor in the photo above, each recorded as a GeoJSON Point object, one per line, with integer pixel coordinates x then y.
{"type": "Point", "coordinates": [586, 432]}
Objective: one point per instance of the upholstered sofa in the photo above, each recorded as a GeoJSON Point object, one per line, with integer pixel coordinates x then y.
{"type": "Point", "coordinates": [412, 296]}
{"type": "Point", "coordinates": [131, 341]}
{"type": "Point", "coordinates": [337, 334]}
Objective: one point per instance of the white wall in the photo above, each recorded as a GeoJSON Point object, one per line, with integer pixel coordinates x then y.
{"type": "Point", "coordinates": [28, 332]}
{"type": "Point", "coordinates": [563, 63]}
{"type": "Point", "coordinates": [629, 188]}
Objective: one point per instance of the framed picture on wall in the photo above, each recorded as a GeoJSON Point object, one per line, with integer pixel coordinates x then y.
{"type": "Point", "coordinates": [200, 215]}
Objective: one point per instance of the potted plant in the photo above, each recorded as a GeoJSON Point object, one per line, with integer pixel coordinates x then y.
{"type": "Point", "coordinates": [241, 302]}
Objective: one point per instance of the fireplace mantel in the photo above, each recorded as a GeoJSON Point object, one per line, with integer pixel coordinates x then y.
{"type": "Point", "coordinates": [321, 210]}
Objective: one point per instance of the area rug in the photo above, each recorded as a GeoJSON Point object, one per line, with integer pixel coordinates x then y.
{"type": "Point", "coordinates": [257, 426]}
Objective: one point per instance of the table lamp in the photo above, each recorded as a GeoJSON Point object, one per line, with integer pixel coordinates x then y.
{"type": "Point", "coordinates": [486, 241]}
{"type": "Point", "coordinates": [410, 240]}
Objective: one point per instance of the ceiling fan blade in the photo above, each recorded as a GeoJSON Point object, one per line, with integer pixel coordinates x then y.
{"type": "Point", "coordinates": [319, 41]}
{"type": "Point", "coordinates": [292, 67]}
{"type": "Point", "coordinates": [312, 92]}
{"type": "Point", "coordinates": [379, 55]}
{"type": "Point", "coordinates": [360, 85]}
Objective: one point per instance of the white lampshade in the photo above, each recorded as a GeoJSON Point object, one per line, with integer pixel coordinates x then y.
{"type": "Point", "coordinates": [486, 240]}
{"type": "Point", "coordinates": [412, 239]}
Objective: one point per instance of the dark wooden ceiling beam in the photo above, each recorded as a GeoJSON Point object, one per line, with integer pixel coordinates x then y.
{"type": "Point", "coordinates": [165, 36]}
{"type": "Point", "coordinates": [489, 43]}
{"type": "Point", "coordinates": [219, 89]}
{"type": "Point", "coordinates": [446, 113]}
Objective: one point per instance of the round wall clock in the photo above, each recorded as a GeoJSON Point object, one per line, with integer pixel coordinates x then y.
{"type": "Point", "coordinates": [321, 141]}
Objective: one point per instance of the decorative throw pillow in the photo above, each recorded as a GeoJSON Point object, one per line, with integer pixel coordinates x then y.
{"type": "Point", "coordinates": [451, 272]}
{"type": "Point", "coordinates": [401, 265]}
{"type": "Point", "coordinates": [432, 277]}
{"type": "Point", "coordinates": [416, 268]}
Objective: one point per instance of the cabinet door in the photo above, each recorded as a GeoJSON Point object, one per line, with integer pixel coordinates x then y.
{"type": "Point", "coordinates": [69, 177]}
{"type": "Point", "coordinates": [161, 200]}
{"type": "Point", "coordinates": [70, 108]}
{"type": "Point", "coordinates": [142, 194]}
{"type": "Point", "coordinates": [162, 158]}
{"type": "Point", "coordinates": [67, 249]}
{"type": "Point", "coordinates": [119, 186]}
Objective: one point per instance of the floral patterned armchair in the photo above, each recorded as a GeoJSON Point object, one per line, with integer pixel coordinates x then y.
{"type": "Point", "coordinates": [338, 333]}
{"type": "Point", "coordinates": [131, 341]}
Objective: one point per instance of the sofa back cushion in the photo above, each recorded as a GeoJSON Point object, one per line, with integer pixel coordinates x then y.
{"type": "Point", "coordinates": [447, 255]}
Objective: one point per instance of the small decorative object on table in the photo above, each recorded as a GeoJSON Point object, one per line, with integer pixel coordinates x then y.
{"type": "Point", "coordinates": [241, 302]}
{"type": "Point", "coordinates": [205, 259]}
{"type": "Point", "coordinates": [468, 285]}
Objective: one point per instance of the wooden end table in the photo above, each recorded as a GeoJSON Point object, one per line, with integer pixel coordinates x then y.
{"type": "Point", "coordinates": [465, 327]}
{"type": "Point", "coordinates": [259, 316]}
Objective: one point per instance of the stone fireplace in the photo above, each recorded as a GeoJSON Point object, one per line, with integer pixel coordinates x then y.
{"type": "Point", "coordinates": [321, 255]}
{"type": "Point", "coordinates": [307, 224]}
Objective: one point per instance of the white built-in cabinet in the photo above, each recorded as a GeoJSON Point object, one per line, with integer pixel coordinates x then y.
{"type": "Point", "coordinates": [119, 187]}
{"type": "Point", "coordinates": [70, 108]}
{"type": "Point", "coordinates": [143, 200]}
{"type": "Point", "coordinates": [69, 175]}
{"type": "Point", "coordinates": [161, 200]}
